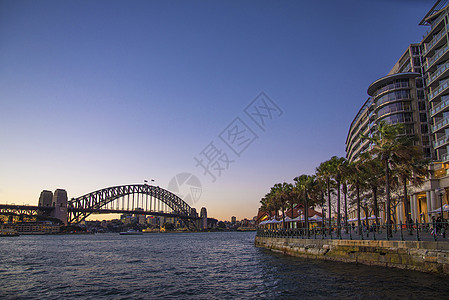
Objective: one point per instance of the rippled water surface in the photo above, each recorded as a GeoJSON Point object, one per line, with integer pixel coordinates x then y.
{"type": "Point", "coordinates": [190, 266]}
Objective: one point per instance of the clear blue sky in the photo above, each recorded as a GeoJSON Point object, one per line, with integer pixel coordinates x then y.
{"type": "Point", "coordinates": [102, 93]}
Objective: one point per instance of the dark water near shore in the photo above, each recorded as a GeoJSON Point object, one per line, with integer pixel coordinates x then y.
{"type": "Point", "coordinates": [190, 266]}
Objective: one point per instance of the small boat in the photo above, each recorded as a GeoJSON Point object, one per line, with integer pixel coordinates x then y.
{"type": "Point", "coordinates": [131, 232]}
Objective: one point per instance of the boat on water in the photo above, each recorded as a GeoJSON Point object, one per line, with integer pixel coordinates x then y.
{"type": "Point", "coordinates": [131, 232]}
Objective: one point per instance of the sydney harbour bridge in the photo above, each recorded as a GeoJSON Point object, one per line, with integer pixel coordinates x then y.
{"type": "Point", "coordinates": [137, 199]}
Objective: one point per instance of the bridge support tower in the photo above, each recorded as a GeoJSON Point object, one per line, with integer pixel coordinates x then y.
{"type": "Point", "coordinates": [59, 203]}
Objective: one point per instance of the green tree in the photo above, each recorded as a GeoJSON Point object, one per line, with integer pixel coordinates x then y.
{"type": "Point", "coordinates": [374, 173]}
{"type": "Point", "coordinates": [411, 167]}
{"type": "Point", "coordinates": [356, 179]}
{"type": "Point", "coordinates": [324, 172]}
{"type": "Point", "coordinates": [306, 186]}
{"type": "Point", "coordinates": [337, 169]}
{"type": "Point", "coordinates": [281, 197]}
{"type": "Point", "coordinates": [389, 145]}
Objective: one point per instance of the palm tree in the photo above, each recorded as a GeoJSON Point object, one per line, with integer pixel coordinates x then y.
{"type": "Point", "coordinates": [346, 173]}
{"type": "Point", "coordinates": [372, 168]}
{"type": "Point", "coordinates": [281, 192]}
{"type": "Point", "coordinates": [337, 171]}
{"type": "Point", "coordinates": [306, 186]}
{"type": "Point", "coordinates": [324, 172]}
{"type": "Point", "coordinates": [321, 185]}
{"type": "Point", "coordinates": [388, 145]}
{"type": "Point", "coordinates": [356, 178]}
{"type": "Point", "coordinates": [411, 167]}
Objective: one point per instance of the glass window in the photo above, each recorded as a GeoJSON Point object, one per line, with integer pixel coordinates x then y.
{"type": "Point", "coordinates": [419, 82]}
{"type": "Point", "coordinates": [420, 94]}
{"type": "Point", "coordinates": [422, 117]}
{"type": "Point", "coordinates": [422, 105]}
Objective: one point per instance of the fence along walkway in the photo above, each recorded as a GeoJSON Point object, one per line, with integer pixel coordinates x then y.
{"type": "Point", "coordinates": [400, 232]}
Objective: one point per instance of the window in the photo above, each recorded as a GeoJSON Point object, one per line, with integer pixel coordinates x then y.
{"type": "Point", "coordinates": [416, 61]}
{"type": "Point", "coordinates": [419, 82]}
{"type": "Point", "coordinates": [422, 105]}
{"type": "Point", "coordinates": [423, 117]}
{"type": "Point", "coordinates": [420, 94]}
{"type": "Point", "coordinates": [424, 129]}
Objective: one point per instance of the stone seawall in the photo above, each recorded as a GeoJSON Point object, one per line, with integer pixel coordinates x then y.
{"type": "Point", "coordinates": [426, 256]}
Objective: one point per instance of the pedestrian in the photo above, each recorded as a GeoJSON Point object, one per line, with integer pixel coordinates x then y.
{"type": "Point", "coordinates": [434, 226]}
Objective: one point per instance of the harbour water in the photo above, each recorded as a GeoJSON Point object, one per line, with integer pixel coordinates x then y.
{"type": "Point", "coordinates": [190, 266]}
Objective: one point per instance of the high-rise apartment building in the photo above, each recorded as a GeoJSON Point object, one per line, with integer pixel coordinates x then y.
{"type": "Point", "coordinates": [398, 97]}
{"type": "Point", "coordinates": [415, 93]}
{"type": "Point", "coordinates": [435, 51]}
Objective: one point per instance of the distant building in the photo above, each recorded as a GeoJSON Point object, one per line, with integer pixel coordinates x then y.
{"type": "Point", "coordinates": [45, 227]}
{"type": "Point", "coordinates": [233, 219]}
{"type": "Point", "coordinates": [203, 216]}
{"type": "Point", "coordinates": [140, 218]}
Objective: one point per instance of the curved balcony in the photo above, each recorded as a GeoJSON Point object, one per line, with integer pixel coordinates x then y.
{"type": "Point", "coordinates": [391, 87]}
{"type": "Point", "coordinates": [379, 83]}
{"type": "Point", "coordinates": [387, 114]}
{"type": "Point", "coordinates": [392, 97]}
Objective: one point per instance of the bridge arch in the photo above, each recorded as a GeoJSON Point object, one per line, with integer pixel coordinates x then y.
{"type": "Point", "coordinates": [80, 208]}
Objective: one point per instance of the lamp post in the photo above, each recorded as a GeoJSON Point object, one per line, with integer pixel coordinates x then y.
{"type": "Point", "coordinates": [323, 220]}
{"type": "Point", "coordinates": [441, 192]}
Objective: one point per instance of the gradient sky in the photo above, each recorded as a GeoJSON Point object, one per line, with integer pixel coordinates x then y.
{"type": "Point", "coordinates": [102, 93]}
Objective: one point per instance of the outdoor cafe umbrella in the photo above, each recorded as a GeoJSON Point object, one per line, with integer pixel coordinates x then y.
{"type": "Point", "coordinates": [315, 218]}
{"type": "Point", "coordinates": [298, 218]}
{"type": "Point", "coordinates": [438, 210]}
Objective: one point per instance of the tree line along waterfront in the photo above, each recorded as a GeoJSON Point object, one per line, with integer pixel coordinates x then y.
{"type": "Point", "coordinates": [369, 193]}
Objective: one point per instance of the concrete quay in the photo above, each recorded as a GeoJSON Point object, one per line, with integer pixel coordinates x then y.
{"type": "Point", "coordinates": [424, 256]}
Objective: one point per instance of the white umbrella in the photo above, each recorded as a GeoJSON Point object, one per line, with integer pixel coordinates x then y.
{"type": "Point", "coordinates": [315, 218]}
{"type": "Point", "coordinates": [298, 218]}
{"type": "Point", "coordinates": [438, 210]}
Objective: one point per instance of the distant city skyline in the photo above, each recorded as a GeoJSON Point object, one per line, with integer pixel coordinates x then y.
{"type": "Point", "coordinates": [104, 93]}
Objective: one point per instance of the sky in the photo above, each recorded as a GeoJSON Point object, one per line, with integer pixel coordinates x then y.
{"type": "Point", "coordinates": [96, 94]}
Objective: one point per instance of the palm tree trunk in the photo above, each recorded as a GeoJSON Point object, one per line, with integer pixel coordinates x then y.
{"type": "Point", "coordinates": [376, 208]}
{"type": "Point", "coordinates": [323, 217]}
{"type": "Point", "coordinates": [345, 192]}
{"type": "Point", "coordinates": [357, 187]}
{"type": "Point", "coordinates": [338, 208]}
{"type": "Point", "coordinates": [406, 203]}
{"type": "Point", "coordinates": [387, 192]}
{"type": "Point", "coordinates": [283, 217]}
{"type": "Point", "coordinates": [329, 204]}
{"type": "Point", "coordinates": [306, 215]}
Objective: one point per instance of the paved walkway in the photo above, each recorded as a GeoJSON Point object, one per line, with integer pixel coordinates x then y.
{"type": "Point", "coordinates": [404, 235]}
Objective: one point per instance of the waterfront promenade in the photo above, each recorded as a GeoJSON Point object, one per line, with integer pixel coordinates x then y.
{"type": "Point", "coordinates": [423, 247]}
{"type": "Point", "coordinates": [399, 232]}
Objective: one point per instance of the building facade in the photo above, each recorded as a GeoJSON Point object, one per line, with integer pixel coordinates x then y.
{"type": "Point", "coordinates": [415, 93]}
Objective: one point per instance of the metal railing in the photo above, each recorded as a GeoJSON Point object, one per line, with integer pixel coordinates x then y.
{"type": "Point", "coordinates": [435, 231]}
